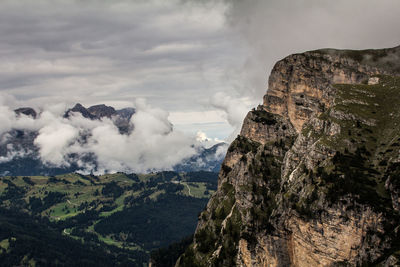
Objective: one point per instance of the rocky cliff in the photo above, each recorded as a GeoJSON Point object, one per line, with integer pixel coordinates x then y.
{"type": "Point", "coordinates": [313, 178]}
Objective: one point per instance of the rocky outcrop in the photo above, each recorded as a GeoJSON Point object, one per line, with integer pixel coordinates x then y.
{"type": "Point", "coordinates": [19, 155]}
{"type": "Point", "coordinates": [102, 110]}
{"type": "Point", "coordinates": [78, 108]}
{"type": "Point", "coordinates": [301, 85]}
{"type": "Point", "coordinates": [121, 118]}
{"type": "Point", "coordinates": [313, 177]}
{"type": "Point", "coordinates": [26, 111]}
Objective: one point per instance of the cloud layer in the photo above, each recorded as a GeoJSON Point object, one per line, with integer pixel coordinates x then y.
{"type": "Point", "coordinates": [152, 145]}
{"type": "Point", "coordinates": [111, 50]}
{"type": "Point", "coordinates": [198, 57]}
{"type": "Point", "coordinates": [274, 29]}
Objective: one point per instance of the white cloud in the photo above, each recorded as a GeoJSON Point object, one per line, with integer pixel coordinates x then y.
{"type": "Point", "coordinates": [206, 141]}
{"type": "Point", "coordinates": [53, 142]}
{"type": "Point", "coordinates": [235, 109]}
{"type": "Point", "coordinates": [5, 119]}
{"type": "Point", "coordinates": [201, 136]}
{"type": "Point", "coordinates": [176, 54]}
{"type": "Point", "coordinates": [190, 117]}
{"type": "Point", "coordinates": [152, 145]}
{"type": "Point", "coordinates": [221, 151]}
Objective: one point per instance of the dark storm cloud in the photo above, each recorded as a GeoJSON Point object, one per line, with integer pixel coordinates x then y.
{"type": "Point", "coordinates": [179, 55]}
{"type": "Point", "coordinates": [97, 50]}
{"type": "Point", "coordinates": [54, 53]}
{"type": "Point", "coordinates": [275, 29]}
{"type": "Point", "coordinates": [206, 62]}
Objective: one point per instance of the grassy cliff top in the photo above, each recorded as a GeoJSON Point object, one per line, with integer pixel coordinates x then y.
{"type": "Point", "coordinates": [385, 58]}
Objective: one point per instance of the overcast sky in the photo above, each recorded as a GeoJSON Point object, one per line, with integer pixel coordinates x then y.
{"type": "Point", "coordinates": [204, 62]}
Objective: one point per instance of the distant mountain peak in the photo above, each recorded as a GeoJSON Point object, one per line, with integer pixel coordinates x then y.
{"type": "Point", "coordinates": [26, 111]}
{"type": "Point", "coordinates": [78, 108]}
{"type": "Point", "coordinates": [126, 112]}
{"type": "Point", "coordinates": [102, 111]}
{"type": "Point", "coordinates": [20, 155]}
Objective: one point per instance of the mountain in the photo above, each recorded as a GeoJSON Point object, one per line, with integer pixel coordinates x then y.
{"type": "Point", "coordinates": [313, 179]}
{"type": "Point", "coordinates": [121, 118]}
{"type": "Point", "coordinates": [19, 155]}
{"type": "Point", "coordinates": [26, 111]}
{"type": "Point", "coordinates": [78, 108]}
{"type": "Point", "coordinates": [206, 159]}
{"type": "Point", "coordinates": [102, 111]}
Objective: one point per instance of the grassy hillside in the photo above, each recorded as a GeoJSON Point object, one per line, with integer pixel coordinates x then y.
{"type": "Point", "coordinates": [136, 213]}
{"type": "Point", "coordinates": [34, 241]}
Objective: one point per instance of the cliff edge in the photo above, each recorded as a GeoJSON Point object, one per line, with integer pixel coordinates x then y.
{"type": "Point", "coordinates": [313, 179]}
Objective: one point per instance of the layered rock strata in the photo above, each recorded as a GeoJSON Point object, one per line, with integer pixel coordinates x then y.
{"type": "Point", "coordinates": [313, 178]}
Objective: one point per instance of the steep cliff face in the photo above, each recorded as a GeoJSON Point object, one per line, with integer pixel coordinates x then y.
{"type": "Point", "coordinates": [301, 85]}
{"type": "Point", "coordinates": [313, 179]}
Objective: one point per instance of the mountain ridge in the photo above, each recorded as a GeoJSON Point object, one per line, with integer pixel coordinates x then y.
{"type": "Point", "coordinates": [20, 155]}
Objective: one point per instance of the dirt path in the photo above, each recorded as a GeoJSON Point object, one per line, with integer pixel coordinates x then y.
{"type": "Point", "coordinates": [188, 187]}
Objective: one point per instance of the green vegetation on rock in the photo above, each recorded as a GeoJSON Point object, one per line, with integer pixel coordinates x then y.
{"type": "Point", "coordinates": [313, 178]}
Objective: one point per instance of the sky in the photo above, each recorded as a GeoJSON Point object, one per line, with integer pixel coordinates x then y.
{"type": "Point", "coordinates": [203, 64]}
{"type": "Point", "coordinates": [194, 59]}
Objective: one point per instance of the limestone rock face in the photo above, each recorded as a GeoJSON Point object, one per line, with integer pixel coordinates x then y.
{"type": "Point", "coordinates": [313, 179]}
{"type": "Point", "coordinates": [300, 85]}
